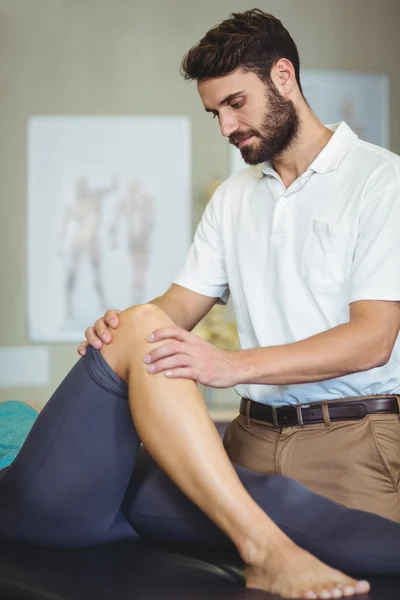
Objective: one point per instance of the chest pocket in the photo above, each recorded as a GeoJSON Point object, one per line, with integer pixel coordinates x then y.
{"type": "Point", "coordinates": [324, 255]}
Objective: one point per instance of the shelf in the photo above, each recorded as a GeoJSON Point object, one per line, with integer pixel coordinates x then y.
{"type": "Point", "coordinates": [223, 415]}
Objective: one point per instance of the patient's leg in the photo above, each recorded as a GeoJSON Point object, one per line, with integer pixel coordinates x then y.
{"type": "Point", "coordinates": [351, 540]}
{"type": "Point", "coordinates": [172, 421]}
{"type": "Point", "coordinates": [68, 480]}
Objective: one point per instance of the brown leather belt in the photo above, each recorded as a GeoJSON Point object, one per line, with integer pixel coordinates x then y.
{"type": "Point", "coordinates": [346, 409]}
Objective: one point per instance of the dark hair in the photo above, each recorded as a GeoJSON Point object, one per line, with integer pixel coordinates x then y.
{"type": "Point", "coordinates": [252, 40]}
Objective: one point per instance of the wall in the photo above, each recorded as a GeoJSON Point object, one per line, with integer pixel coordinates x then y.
{"type": "Point", "coordinates": [122, 57]}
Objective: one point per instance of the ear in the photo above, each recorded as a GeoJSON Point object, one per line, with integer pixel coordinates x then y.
{"type": "Point", "coordinates": [283, 76]}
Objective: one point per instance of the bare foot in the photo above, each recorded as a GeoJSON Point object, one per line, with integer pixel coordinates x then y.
{"type": "Point", "coordinates": [292, 572]}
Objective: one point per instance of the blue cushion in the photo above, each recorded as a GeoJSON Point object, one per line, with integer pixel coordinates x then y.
{"type": "Point", "coordinates": [16, 420]}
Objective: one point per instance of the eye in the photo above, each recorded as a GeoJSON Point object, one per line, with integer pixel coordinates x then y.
{"type": "Point", "coordinates": [237, 105]}
{"type": "Point", "coordinates": [214, 115]}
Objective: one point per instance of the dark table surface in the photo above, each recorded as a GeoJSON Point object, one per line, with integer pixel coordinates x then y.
{"type": "Point", "coordinates": [135, 571]}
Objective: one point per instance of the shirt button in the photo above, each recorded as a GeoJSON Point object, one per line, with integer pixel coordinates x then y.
{"type": "Point", "coordinates": [283, 200]}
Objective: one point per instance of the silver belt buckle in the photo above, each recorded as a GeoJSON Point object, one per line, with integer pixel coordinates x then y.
{"type": "Point", "coordinates": [299, 414]}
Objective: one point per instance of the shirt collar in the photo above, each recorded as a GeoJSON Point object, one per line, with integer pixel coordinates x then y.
{"type": "Point", "coordinates": [330, 156]}
{"type": "Point", "coordinates": [340, 143]}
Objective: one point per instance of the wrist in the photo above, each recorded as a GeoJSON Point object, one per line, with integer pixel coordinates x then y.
{"type": "Point", "coordinates": [239, 366]}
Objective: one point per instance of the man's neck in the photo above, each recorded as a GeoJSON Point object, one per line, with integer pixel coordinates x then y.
{"type": "Point", "coordinates": [312, 138]}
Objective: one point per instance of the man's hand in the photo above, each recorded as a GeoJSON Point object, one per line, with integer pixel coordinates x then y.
{"type": "Point", "coordinates": [100, 332]}
{"type": "Point", "coordinates": [188, 356]}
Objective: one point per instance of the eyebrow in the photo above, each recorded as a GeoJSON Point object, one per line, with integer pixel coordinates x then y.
{"type": "Point", "coordinates": [226, 100]}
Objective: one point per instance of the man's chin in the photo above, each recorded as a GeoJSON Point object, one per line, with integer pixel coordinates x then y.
{"type": "Point", "coordinates": [250, 159]}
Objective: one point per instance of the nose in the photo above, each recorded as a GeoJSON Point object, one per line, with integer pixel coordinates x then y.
{"type": "Point", "coordinates": [228, 124]}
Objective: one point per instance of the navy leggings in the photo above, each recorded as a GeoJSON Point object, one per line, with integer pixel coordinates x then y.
{"type": "Point", "coordinates": [81, 478]}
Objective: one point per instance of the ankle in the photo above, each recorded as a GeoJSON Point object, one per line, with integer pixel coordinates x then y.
{"type": "Point", "coordinates": [256, 549]}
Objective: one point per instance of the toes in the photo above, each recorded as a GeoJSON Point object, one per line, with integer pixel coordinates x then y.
{"type": "Point", "coordinates": [362, 587]}
{"type": "Point", "coordinates": [342, 590]}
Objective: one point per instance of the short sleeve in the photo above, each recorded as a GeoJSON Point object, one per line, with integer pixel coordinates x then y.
{"type": "Point", "coordinates": [375, 272]}
{"type": "Point", "coordinates": [204, 270]}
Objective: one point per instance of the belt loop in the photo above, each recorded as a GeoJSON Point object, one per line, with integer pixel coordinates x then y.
{"type": "Point", "coordinates": [247, 415]}
{"type": "Point", "coordinates": [274, 416]}
{"type": "Point", "coordinates": [325, 412]}
{"type": "Point", "coordinates": [398, 401]}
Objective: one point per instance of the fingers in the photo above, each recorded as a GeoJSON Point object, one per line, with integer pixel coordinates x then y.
{"type": "Point", "coordinates": [183, 373]}
{"type": "Point", "coordinates": [102, 326]}
{"type": "Point", "coordinates": [92, 336]}
{"type": "Point", "coordinates": [171, 332]}
{"type": "Point", "coordinates": [177, 360]}
{"type": "Point", "coordinates": [101, 331]}
{"type": "Point", "coordinates": [165, 350]}
{"type": "Point", "coordinates": [82, 348]}
{"type": "Point", "coordinates": [111, 318]}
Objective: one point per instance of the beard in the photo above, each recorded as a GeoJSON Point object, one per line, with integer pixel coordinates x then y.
{"type": "Point", "coordinates": [278, 131]}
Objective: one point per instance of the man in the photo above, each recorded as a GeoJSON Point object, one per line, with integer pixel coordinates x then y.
{"type": "Point", "coordinates": [308, 247]}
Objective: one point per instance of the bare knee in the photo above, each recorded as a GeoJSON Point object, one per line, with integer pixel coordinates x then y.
{"type": "Point", "coordinates": [142, 314]}
{"type": "Point", "coordinates": [135, 325]}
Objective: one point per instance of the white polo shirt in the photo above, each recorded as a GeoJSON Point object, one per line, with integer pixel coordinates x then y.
{"type": "Point", "coordinates": [294, 259]}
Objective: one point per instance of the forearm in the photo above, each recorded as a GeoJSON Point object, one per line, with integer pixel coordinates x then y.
{"type": "Point", "coordinates": [175, 311]}
{"type": "Point", "coordinates": [348, 348]}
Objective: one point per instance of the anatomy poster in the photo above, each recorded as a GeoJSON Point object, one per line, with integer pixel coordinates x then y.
{"type": "Point", "coordinates": [109, 216]}
{"type": "Point", "coordinates": [361, 99]}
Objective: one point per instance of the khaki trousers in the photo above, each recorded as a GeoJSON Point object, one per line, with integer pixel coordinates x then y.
{"type": "Point", "coordinates": [354, 463]}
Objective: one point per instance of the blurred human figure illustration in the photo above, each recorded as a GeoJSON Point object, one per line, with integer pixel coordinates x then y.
{"type": "Point", "coordinates": [84, 213]}
{"type": "Point", "coordinates": [136, 208]}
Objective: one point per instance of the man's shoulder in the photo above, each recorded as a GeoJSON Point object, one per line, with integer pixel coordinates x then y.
{"type": "Point", "coordinates": [235, 193]}
{"type": "Point", "coordinates": [379, 156]}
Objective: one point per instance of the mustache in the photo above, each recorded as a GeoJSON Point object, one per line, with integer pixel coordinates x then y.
{"type": "Point", "coordinates": [236, 138]}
